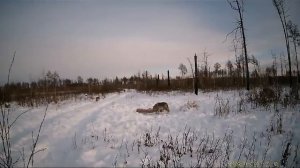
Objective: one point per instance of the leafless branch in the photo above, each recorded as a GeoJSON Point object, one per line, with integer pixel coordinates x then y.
{"type": "Point", "coordinates": [10, 67]}
{"type": "Point", "coordinates": [231, 5]}
{"type": "Point", "coordinates": [40, 150]}
{"type": "Point", "coordinates": [18, 117]}
{"type": "Point", "coordinates": [233, 31]}
{"type": "Point", "coordinates": [36, 140]}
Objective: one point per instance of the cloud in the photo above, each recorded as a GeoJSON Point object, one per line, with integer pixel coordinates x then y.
{"type": "Point", "coordinates": [113, 38]}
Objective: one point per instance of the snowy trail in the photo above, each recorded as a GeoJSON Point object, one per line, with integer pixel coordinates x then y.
{"type": "Point", "coordinates": [77, 118]}
{"type": "Point", "coordinates": [63, 127]}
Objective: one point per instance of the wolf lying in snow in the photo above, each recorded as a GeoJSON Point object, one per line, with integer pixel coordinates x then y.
{"type": "Point", "coordinates": [158, 107]}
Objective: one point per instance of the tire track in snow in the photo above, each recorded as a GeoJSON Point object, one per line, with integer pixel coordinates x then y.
{"type": "Point", "coordinates": [66, 127]}
{"type": "Point", "coordinates": [71, 119]}
{"type": "Point", "coordinates": [35, 115]}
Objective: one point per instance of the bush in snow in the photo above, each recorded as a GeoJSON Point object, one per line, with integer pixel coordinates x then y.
{"type": "Point", "coordinates": [222, 107]}
{"type": "Point", "coordinates": [265, 97]}
{"type": "Point", "coordinates": [190, 105]}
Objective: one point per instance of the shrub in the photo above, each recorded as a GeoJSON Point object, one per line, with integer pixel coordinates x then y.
{"type": "Point", "coordinates": [265, 96]}
{"type": "Point", "coordinates": [222, 107]}
{"type": "Point", "coordinates": [189, 105]}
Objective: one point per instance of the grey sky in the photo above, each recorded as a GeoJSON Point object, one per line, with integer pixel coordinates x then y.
{"type": "Point", "coordinates": [121, 37]}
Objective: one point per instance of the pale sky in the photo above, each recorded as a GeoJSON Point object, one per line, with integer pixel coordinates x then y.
{"type": "Point", "coordinates": [123, 37]}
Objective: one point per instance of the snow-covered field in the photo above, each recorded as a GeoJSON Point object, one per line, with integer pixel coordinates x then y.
{"type": "Point", "coordinates": [83, 132]}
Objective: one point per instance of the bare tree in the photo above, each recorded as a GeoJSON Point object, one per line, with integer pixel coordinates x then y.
{"type": "Point", "coordinates": [79, 80]}
{"type": "Point", "coordinates": [196, 75]}
{"type": "Point", "coordinates": [229, 67]}
{"type": "Point", "coordinates": [235, 42]}
{"type": "Point", "coordinates": [205, 56]}
{"type": "Point", "coordinates": [295, 37]}
{"type": "Point", "coordinates": [191, 66]}
{"type": "Point", "coordinates": [169, 84]}
{"type": "Point", "coordinates": [55, 82]}
{"type": "Point", "coordinates": [238, 5]}
{"type": "Point", "coordinates": [281, 10]}
{"type": "Point", "coordinates": [217, 67]}
{"type": "Point", "coordinates": [240, 63]}
{"type": "Point", "coordinates": [281, 63]}
{"type": "Point", "coordinates": [183, 69]}
{"type": "Point", "coordinates": [275, 67]}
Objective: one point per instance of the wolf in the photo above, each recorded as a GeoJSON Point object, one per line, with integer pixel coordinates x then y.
{"type": "Point", "coordinates": [160, 107]}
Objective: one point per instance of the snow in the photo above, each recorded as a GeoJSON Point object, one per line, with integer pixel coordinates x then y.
{"type": "Point", "coordinates": [83, 132]}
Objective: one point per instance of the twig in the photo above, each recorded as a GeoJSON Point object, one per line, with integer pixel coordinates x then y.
{"type": "Point", "coordinates": [40, 150]}
{"type": "Point", "coordinates": [37, 138]}
{"type": "Point", "coordinates": [18, 117]}
{"type": "Point", "coordinates": [10, 67]}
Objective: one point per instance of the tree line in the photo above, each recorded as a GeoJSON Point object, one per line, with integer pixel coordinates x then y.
{"type": "Point", "coordinates": [234, 74]}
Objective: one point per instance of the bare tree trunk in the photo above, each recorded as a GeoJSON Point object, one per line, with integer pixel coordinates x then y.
{"type": "Point", "coordinates": [297, 64]}
{"type": "Point", "coordinates": [244, 44]}
{"type": "Point", "coordinates": [243, 73]}
{"type": "Point", "coordinates": [196, 75]}
{"type": "Point", "coordinates": [157, 81]}
{"type": "Point", "coordinates": [281, 67]}
{"type": "Point", "coordinates": [298, 79]}
{"type": "Point", "coordinates": [146, 83]}
{"type": "Point", "coordinates": [288, 51]}
{"type": "Point", "coordinates": [239, 8]}
{"type": "Point", "coordinates": [281, 12]}
{"type": "Point", "coordinates": [169, 84]}
{"type": "Point", "coordinates": [193, 74]}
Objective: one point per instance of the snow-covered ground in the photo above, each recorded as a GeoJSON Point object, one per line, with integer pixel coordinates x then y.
{"type": "Point", "coordinates": [83, 132]}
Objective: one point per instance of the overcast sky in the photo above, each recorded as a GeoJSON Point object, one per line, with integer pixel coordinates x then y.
{"type": "Point", "coordinates": [122, 37]}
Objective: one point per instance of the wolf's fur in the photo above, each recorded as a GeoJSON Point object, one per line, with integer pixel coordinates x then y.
{"type": "Point", "coordinates": [139, 110]}
{"type": "Point", "coordinates": [158, 107]}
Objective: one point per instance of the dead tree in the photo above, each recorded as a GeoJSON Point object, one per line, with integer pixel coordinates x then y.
{"type": "Point", "coordinates": [281, 10]}
{"type": "Point", "coordinates": [183, 69]}
{"type": "Point", "coordinates": [205, 56]}
{"type": "Point", "coordinates": [217, 67]}
{"type": "Point", "coordinates": [238, 6]}
{"type": "Point", "coordinates": [169, 84]}
{"type": "Point", "coordinates": [295, 37]}
{"type": "Point", "coordinates": [157, 81]}
{"type": "Point", "coordinates": [281, 63]}
{"type": "Point", "coordinates": [229, 68]}
{"type": "Point", "coordinates": [196, 75]}
{"type": "Point", "coordinates": [192, 69]}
